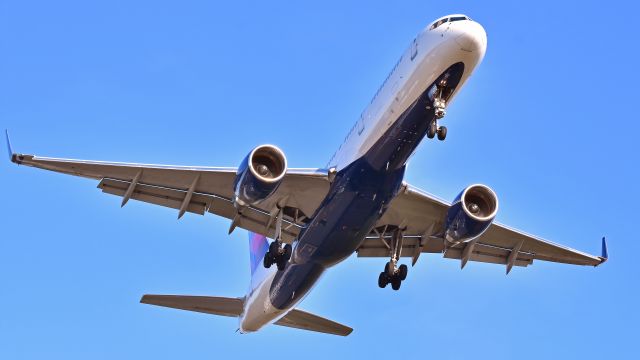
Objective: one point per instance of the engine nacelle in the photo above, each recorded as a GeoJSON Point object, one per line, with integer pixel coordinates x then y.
{"type": "Point", "coordinates": [471, 213]}
{"type": "Point", "coordinates": [259, 175]}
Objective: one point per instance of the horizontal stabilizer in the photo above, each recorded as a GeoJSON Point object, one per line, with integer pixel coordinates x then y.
{"type": "Point", "coordinates": [306, 321]}
{"type": "Point", "coordinates": [233, 307]}
{"type": "Point", "coordinates": [205, 304]}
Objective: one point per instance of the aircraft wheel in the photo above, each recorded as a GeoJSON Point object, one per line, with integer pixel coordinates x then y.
{"type": "Point", "coordinates": [432, 130]}
{"type": "Point", "coordinates": [282, 263]}
{"type": "Point", "coordinates": [388, 269]}
{"type": "Point", "coordinates": [273, 247]}
{"type": "Point", "coordinates": [395, 283]}
{"type": "Point", "coordinates": [287, 251]}
{"type": "Point", "coordinates": [383, 280]}
{"type": "Point", "coordinates": [403, 270]}
{"type": "Point", "coordinates": [267, 261]}
{"type": "Point", "coordinates": [442, 133]}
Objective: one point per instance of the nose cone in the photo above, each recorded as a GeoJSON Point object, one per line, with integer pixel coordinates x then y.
{"type": "Point", "coordinates": [472, 37]}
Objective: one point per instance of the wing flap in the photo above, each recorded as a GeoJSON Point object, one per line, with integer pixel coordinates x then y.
{"type": "Point", "coordinates": [504, 237]}
{"type": "Point", "coordinates": [490, 254]}
{"type": "Point", "coordinates": [251, 219]}
{"type": "Point", "coordinates": [300, 319]}
{"type": "Point", "coordinates": [166, 197]}
{"type": "Point", "coordinates": [374, 247]}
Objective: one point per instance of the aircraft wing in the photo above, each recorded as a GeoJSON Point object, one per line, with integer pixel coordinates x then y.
{"type": "Point", "coordinates": [198, 190]}
{"type": "Point", "coordinates": [422, 216]}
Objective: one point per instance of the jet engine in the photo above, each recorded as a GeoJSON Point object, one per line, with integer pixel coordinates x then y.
{"type": "Point", "coordinates": [471, 213]}
{"type": "Point", "coordinates": [259, 175]}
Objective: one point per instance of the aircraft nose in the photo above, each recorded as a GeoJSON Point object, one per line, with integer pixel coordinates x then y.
{"type": "Point", "coordinates": [473, 38]}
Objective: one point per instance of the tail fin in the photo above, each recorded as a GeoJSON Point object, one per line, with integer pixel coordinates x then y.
{"type": "Point", "coordinates": [258, 246]}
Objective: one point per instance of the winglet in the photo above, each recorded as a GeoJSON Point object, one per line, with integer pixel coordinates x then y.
{"type": "Point", "coordinates": [9, 149]}
{"type": "Point", "coordinates": [13, 157]}
{"type": "Point", "coordinates": [605, 253]}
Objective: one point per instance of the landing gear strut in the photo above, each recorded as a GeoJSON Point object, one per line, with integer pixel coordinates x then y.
{"type": "Point", "coordinates": [394, 274]}
{"type": "Point", "coordinates": [439, 105]}
{"type": "Point", "coordinates": [277, 254]}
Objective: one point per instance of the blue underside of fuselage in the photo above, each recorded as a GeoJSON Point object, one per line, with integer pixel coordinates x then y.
{"type": "Point", "coordinates": [357, 198]}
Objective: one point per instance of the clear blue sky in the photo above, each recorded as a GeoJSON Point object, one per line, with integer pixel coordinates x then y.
{"type": "Point", "coordinates": [549, 120]}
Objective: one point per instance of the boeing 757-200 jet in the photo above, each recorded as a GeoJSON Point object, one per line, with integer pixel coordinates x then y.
{"type": "Point", "coordinates": [357, 203]}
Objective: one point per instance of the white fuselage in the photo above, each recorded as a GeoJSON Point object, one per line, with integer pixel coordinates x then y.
{"type": "Point", "coordinates": [429, 55]}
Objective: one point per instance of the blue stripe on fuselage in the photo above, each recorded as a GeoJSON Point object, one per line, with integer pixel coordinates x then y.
{"type": "Point", "coordinates": [358, 197]}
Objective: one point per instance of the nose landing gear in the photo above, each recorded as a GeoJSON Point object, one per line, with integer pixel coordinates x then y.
{"type": "Point", "coordinates": [434, 130]}
{"type": "Point", "coordinates": [439, 105]}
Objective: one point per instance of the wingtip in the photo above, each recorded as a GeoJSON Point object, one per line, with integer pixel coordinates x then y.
{"type": "Point", "coordinates": [9, 149]}
{"type": "Point", "coordinates": [605, 252]}
{"type": "Point", "coordinates": [13, 157]}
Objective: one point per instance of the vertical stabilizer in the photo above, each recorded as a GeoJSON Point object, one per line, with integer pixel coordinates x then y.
{"type": "Point", "coordinates": [258, 246]}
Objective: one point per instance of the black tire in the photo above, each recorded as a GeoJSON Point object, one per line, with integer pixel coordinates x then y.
{"type": "Point", "coordinates": [273, 247]}
{"type": "Point", "coordinates": [442, 133]}
{"type": "Point", "coordinates": [383, 280]}
{"type": "Point", "coordinates": [432, 130]}
{"type": "Point", "coordinates": [266, 261]}
{"type": "Point", "coordinates": [287, 251]}
{"type": "Point", "coordinates": [387, 269]}
{"type": "Point", "coordinates": [395, 283]}
{"type": "Point", "coordinates": [403, 271]}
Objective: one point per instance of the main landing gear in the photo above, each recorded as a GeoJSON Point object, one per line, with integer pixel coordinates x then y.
{"type": "Point", "coordinates": [439, 105]}
{"type": "Point", "coordinates": [278, 255]}
{"type": "Point", "coordinates": [394, 274]}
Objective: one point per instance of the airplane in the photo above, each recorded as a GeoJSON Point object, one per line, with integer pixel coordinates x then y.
{"type": "Point", "coordinates": [358, 203]}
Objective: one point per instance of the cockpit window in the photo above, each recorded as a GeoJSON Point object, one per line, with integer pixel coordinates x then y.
{"type": "Point", "coordinates": [445, 20]}
{"type": "Point", "coordinates": [438, 23]}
